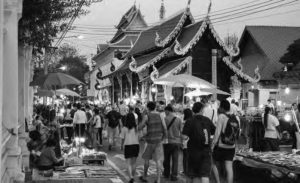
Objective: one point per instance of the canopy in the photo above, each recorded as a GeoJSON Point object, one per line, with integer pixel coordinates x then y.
{"type": "Point", "coordinates": [197, 93]}
{"type": "Point", "coordinates": [184, 80]}
{"type": "Point", "coordinates": [44, 93]}
{"type": "Point", "coordinates": [67, 92]}
{"type": "Point", "coordinates": [55, 80]}
{"type": "Point", "coordinates": [212, 90]}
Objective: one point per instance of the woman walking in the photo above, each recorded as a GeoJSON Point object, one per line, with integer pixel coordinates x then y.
{"type": "Point", "coordinates": [129, 136]}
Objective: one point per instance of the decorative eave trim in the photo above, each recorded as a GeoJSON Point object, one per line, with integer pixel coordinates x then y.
{"type": "Point", "coordinates": [153, 60]}
{"type": "Point", "coordinates": [182, 51]}
{"type": "Point", "coordinates": [178, 68]}
{"type": "Point", "coordinates": [174, 71]}
{"type": "Point", "coordinates": [228, 61]}
{"type": "Point", "coordinates": [127, 54]}
{"type": "Point", "coordinates": [154, 74]}
{"type": "Point", "coordinates": [173, 34]}
{"type": "Point", "coordinates": [229, 51]}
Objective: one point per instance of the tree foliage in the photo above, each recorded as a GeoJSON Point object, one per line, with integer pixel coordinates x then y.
{"type": "Point", "coordinates": [43, 20]}
{"type": "Point", "coordinates": [292, 56]}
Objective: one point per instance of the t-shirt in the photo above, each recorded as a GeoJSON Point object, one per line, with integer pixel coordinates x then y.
{"type": "Point", "coordinates": [174, 132]}
{"type": "Point", "coordinates": [113, 118]}
{"type": "Point", "coordinates": [97, 121]}
{"type": "Point", "coordinates": [210, 112]}
{"type": "Point", "coordinates": [270, 130]}
{"type": "Point", "coordinates": [79, 117]}
{"type": "Point", "coordinates": [193, 127]}
{"type": "Point", "coordinates": [220, 127]}
{"type": "Point", "coordinates": [130, 136]}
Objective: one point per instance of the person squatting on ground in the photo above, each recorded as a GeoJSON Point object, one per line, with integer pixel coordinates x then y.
{"type": "Point", "coordinates": [172, 144]}
{"type": "Point", "coordinates": [198, 130]}
{"type": "Point", "coordinates": [156, 132]}
{"type": "Point", "coordinates": [226, 135]}
{"type": "Point", "coordinates": [130, 141]}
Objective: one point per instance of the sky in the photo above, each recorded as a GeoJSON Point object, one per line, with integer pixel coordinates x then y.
{"type": "Point", "coordinates": [98, 26]}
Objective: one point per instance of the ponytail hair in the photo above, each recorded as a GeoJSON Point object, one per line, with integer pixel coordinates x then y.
{"type": "Point", "coordinates": [267, 111]}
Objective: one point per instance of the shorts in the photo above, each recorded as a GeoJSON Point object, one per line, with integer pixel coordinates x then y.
{"type": "Point", "coordinates": [223, 154]}
{"type": "Point", "coordinates": [153, 151]}
{"type": "Point", "coordinates": [199, 163]}
{"type": "Point", "coordinates": [131, 151]}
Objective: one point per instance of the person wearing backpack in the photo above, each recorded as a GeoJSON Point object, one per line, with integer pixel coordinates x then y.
{"type": "Point", "coordinates": [114, 121]}
{"type": "Point", "coordinates": [156, 133]}
{"type": "Point", "coordinates": [198, 130]}
{"type": "Point", "coordinates": [172, 147]}
{"type": "Point", "coordinates": [226, 135]}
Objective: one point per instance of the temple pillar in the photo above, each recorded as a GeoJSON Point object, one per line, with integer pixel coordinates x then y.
{"type": "Point", "coordinates": [2, 168]}
{"type": "Point", "coordinates": [214, 54]}
{"type": "Point", "coordinates": [12, 12]}
{"type": "Point", "coordinates": [129, 77]}
{"type": "Point", "coordinates": [119, 78]}
{"type": "Point", "coordinates": [112, 90]}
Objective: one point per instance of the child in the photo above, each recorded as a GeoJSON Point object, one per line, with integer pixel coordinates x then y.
{"type": "Point", "coordinates": [129, 136]}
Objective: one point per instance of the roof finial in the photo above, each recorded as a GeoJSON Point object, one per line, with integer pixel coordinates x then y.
{"type": "Point", "coordinates": [189, 3]}
{"type": "Point", "coordinates": [162, 10]}
{"type": "Point", "coordinates": [134, 2]}
{"type": "Point", "coordinates": [209, 8]}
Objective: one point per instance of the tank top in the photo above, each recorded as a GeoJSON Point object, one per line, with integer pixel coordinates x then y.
{"type": "Point", "coordinates": [154, 128]}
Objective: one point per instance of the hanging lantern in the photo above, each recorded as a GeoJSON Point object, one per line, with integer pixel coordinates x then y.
{"type": "Point", "coordinates": [112, 67]}
{"type": "Point", "coordinates": [99, 74]}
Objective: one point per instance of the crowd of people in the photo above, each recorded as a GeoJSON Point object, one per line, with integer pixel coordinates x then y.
{"type": "Point", "coordinates": [206, 135]}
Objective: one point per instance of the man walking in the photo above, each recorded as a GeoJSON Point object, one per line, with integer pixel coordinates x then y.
{"type": "Point", "coordinates": [198, 131]}
{"type": "Point", "coordinates": [156, 132]}
{"type": "Point", "coordinates": [172, 146]}
{"type": "Point", "coordinates": [114, 121]}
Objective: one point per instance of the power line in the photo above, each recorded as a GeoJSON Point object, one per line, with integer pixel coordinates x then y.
{"type": "Point", "coordinates": [70, 23]}
{"type": "Point", "coordinates": [214, 20]}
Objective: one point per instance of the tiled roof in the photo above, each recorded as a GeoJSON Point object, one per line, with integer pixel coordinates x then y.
{"type": "Point", "coordinates": [166, 68]}
{"type": "Point", "coordinates": [127, 17]}
{"type": "Point", "coordinates": [126, 41]}
{"type": "Point", "coordinates": [273, 42]}
{"type": "Point", "coordinates": [188, 33]}
{"type": "Point", "coordinates": [147, 37]}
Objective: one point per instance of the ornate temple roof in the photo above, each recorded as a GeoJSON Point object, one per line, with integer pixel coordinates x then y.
{"type": "Point", "coordinates": [126, 41]}
{"type": "Point", "coordinates": [127, 23]}
{"type": "Point", "coordinates": [161, 34]}
{"type": "Point", "coordinates": [272, 42]}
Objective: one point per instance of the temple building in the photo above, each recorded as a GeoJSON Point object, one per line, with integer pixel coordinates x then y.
{"type": "Point", "coordinates": [176, 45]}
{"type": "Point", "coordinates": [109, 56]}
{"type": "Point", "coordinates": [262, 47]}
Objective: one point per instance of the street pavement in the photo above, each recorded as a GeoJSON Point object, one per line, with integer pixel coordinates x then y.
{"type": "Point", "coordinates": [117, 161]}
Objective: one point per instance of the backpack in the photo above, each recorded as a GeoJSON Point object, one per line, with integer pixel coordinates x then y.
{"type": "Point", "coordinates": [231, 132]}
{"type": "Point", "coordinates": [113, 120]}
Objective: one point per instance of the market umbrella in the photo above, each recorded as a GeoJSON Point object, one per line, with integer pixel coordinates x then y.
{"type": "Point", "coordinates": [67, 92]}
{"type": "Point", "coordinates": [212, 90]}
{"type": "Point", "coordinates": [184, 80]}
{"type": "Point", "coordinates": [55, 80]}
{"type": "Point", "coordinates": [44, 93]}
{"type": "Point", "coordinates": [197, 93]}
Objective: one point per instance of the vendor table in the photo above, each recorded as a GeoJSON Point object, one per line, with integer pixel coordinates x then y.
{"type": "Point", "coordinates": [85, 180]}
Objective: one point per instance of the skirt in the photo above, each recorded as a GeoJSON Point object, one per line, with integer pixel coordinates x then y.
{"type": "Point", "coordinates": [131, 151]}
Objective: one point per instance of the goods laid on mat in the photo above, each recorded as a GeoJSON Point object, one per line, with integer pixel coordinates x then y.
{"type": "Point", "coordinates": [282, 159]}
{"type": "Point", "coordinates": [86, 171]}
